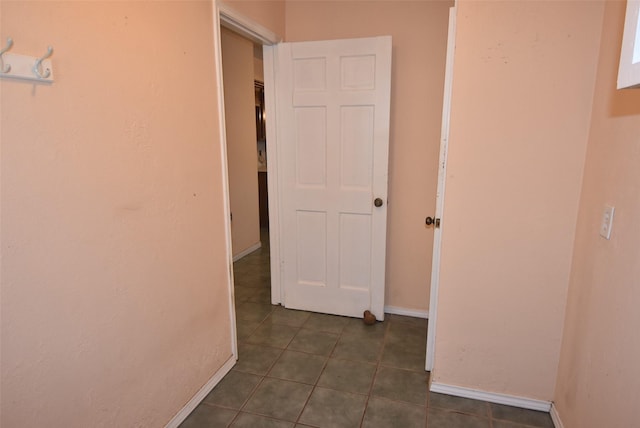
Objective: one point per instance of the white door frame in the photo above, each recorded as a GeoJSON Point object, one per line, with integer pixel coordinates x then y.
{"type": "Point", "coordinates": [234, 20]}
{"type": "Point", "coordinates": [442, 173]}
{"type": "Point", "coordinates": [226, 16]}
{"type": "Point", "coordinates": [273, 173]}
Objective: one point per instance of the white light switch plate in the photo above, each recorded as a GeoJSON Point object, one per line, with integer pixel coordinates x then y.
{"type": "Point", "coordinates": [607, 222]}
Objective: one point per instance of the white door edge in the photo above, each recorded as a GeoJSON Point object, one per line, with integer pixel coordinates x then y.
{"type": "Point", "coordinates": [442, 170]}
{"type": "Point", "coordinates": [244, 26]}
{"type": "Point", "coordinates": [270, 60]}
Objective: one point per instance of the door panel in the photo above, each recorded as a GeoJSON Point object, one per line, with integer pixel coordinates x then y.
{"type": "Point", "coordinates": [356, 163]}
{"type": "Point", "coordinates": [355, 251]}
{"type": "Point", "coordinates": [311, 248]}
{"type": "Point", "coordinates": [333, 136]}
{"type": "Point", "coordinates": [311, 146]}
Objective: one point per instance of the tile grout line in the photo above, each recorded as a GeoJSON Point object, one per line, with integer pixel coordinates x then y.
{"type": "Point", "coordinates": [342, 335]}
{"type": "Point", "coordinates": [375, 373]}
{"type": "Point", "coordinates": [377, 363]}
{"type": "Point", "coordinates": [315, 385]}
{"type": "Point", "coordinates": [264, 376]}
{"type": "Point", "coordinates": [253, 391]}
{"type": "Point", "coordinates": [428, 402]}
{"type": "Point", "coordinates": [489, 415]}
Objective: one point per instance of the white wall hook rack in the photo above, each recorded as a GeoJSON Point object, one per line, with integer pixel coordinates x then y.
{"type": "Point", "coordinates": [5, 68]}
{"type": "Point", "coordinates": [24, 67]}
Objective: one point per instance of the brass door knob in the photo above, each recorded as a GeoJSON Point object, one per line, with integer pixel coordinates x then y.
{"type": "Point", "coordinates": [377, 202]}
{"type": "Point", "coordinates": [435, 221]}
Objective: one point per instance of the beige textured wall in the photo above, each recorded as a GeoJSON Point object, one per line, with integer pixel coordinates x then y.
{"type": "Point", "coordinates": [522, 93]}
{"type": "Point", "coordinates": [599, 376]}
{"type": "Point", "coordinates": [419, 31]}
{"type": "Point", "coordinates": [114, 291]}
{"type": "Point", "coordinates": [242, 155]}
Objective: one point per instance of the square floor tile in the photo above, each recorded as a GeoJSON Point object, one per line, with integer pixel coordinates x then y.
{"type": "Point", "coordinates": [495, 423]}
{"type": "Point", "coordinates": [256, 359]}
{"type": "Point", "coordinates": [521, 416]}
{"type": "Point", "coordinates": [277, 336]}
{"type": "Point", "coordinates": [241, 294]}
{"type": "Point", "coordinates": [244, 329]}
{"type": "Point", "coordinates": [262, 295]}
{"type": "Point", "coordinates": [288, 317]}
{"type": "Point", "coordinates": [407, 335]}
{"type": "Point", "coordinates": [247, 420]}
{"type": "Point", "coordinates": [402, 385]}
{"type": "Point", "coordinates": [251, 311]}
{"type": "Point", "coordinates": [357, 326]}
{"type": "Point", "coordinates": [243, 277]}
{"type": "Point", "coordinates": [298, 366]}
{"type": "Point", "coordinates": [349, 376]}
{"type": "Point", "coordinates": [336, 409]}
{"type": "Point", "coordinates": [382, 413]}
{"type": "Point", "coordinates": [233, 390]}
{"type": "Point", "coordinates": [411, 321]}
{"type": "Point", "coordinates": [240, 270]}
{"type": "Point", "coordinates": [399, 357]}
{"type": "Point", "coordinates": [314, 342]}
{"type": "Point", "coordinates": [358, 348]}
{"type": "Point", "coordinates": [279, 399]}
{"type": "Point", "coordinates": [209, 416]}
{"type": "Point", "coordinates": [459, 404]}
{"type": "Point", "coordinates": [328, 323]}
{"type": "Point", "coordinates": [440, 418]}
{"type": "Point", "coordinates": [250, 271]}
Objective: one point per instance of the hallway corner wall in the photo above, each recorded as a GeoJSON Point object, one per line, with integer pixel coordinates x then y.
{"type": "Point", "coordinates": [599, 377]}
{"type": "Point", "coordinates": [115, 272]}
{"type": "Point", "coordinates": [523, 82]}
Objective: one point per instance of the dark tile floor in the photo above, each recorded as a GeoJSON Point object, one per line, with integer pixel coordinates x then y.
{"type": "Point", "coordinates": [302, 369]}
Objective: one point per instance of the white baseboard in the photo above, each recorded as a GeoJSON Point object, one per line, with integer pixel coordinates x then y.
{"type": "Point", "coordinates": [492, 397]}
{"type": "Point", "coordinates": [206, 389]}
{"type": "Point", "coordinates": [406, 312]}
{"type": "Point", "coordinates": [555, 417]}
{"type": "Point", "coordinates": [248, 251]}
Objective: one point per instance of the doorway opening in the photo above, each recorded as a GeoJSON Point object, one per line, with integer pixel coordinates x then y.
{"type": "Point", "coordinates": [247, 167]}
{"type": "Point", "coordinates": [274, 236]}
{"type": "Point", "coordinates": [261, 137]}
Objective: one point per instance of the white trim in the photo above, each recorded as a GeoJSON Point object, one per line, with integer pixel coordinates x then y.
{"type": "Point", "coordinates": [492, 397]}
{"type": "Point", "coordinates": [248, 251]}
{"type": "Point", "coordinates": [217, 53]}
{"type": "Point", "coordinates": [629, 68]}
{"type": "Point", "coordinates": [406, 312]}
{"type": "Point", "coordinates": [234, 20]}
{"type": "Point", "coordinates": [555, 416]}
{"type": "Point", "coordinates": [200, 395]}
{"type": "Point", "coordinates": [442, 174]}
{"type": "Point", "coordinates": [269, 64]}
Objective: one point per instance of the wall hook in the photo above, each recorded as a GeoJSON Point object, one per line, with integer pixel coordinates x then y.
{"type": "Point", "coordinates": [5, 68]}
{"type": "Point", "coordinates": [38, 65]}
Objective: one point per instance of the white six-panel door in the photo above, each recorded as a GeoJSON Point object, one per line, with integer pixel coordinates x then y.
{"type": "Point", "coordinates": [333, 137]}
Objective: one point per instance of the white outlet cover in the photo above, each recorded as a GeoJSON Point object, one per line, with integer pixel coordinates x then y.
{"type": "Point", "coordinates": [607, 222]}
